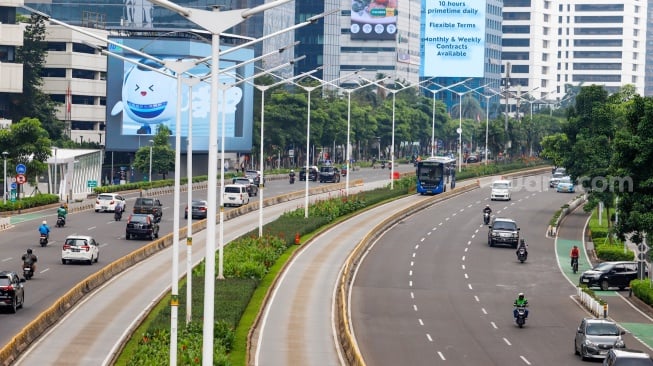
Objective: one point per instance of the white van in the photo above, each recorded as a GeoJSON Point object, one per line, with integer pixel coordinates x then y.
{"type": "Point", "coordinates": [501, 190]}
{"type": "Point", "coordinates": [235, 195]}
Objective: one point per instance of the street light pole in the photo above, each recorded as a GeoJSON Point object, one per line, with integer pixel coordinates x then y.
{"type": "Point", "coordinates": [149, 176]}
{"type": "Point", "coordinates": [4, 155]}
{"type": "Point", "coordinates": [54, 188]}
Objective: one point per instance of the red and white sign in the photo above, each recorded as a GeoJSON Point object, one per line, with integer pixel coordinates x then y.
{"type": "Point", "coordinates": [20, 178]}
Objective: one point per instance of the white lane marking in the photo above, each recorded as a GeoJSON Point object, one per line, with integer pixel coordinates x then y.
{"type": "Point", "coordinates": [469, 242]}
{"type": "Point", "coordinates": [7, 259]}
{"type": "Point", "coordinates": [45, 270]}
{"type": "Point", "coordinates": [466, 249]}
{"type": "Point", "coordinates": [410, 273]}
{"type": "Point", "coordinates": [476, 298]}
{"type": "Point", "coordinates": [435, 228]}
{"type": "Point", "coordinates": [429, 337]}
{"type": "Point", "coordinates": [525, 360]}
{"type": "Point", "coordinates": [447, 219]}
{"type": "Point", "coordinates": [414, 254]}
{"type": "Point", "coordinates": [453, 214]}
{"type": "Point", "coordinates": [91, 228]}
{"type": "Point", "coordinates": [507, 341]}
{"type": "Point", "coordinates": [441, 356]}
{"type": "Point", "coordinates": [469, 206]}
{"type": "Point", "coordinates": [429, 233]}
{"type": "Point", "coordinates": [420, 321]}
{"type": "Point", "coordinates": [440, 224]}
{"type": "Point", "coordinates": [412, 263]}
{"type": "Point", "coordinates": [466, 276]}
{"type": "Point", "coordinates": [412, 295]}
{"type": "Point", "coordinates": [494, 325]}
{"type": "Point", "coordinates": [416, 246]}
{"type": "Point", "coordinates": [463, 266]}
{"type": "Point", "coordinates": [463, 258]}
{"type": "Point", "coordinates": [422, 239]}
{"type": "Point", "coordinates": [476, 232]}
{"type": "Point", "coordinates": [470, 286]}
{"type": "Point", "coordinates": [484, 311]}
{"type": "Point", "coordinates": [473, 236]}
{"type": "Point", "coordinates": [410, 283]}
{"type": "Point", "coordinates": [414, 307]}
{"type": "Point", "coordinates": [462, 209]}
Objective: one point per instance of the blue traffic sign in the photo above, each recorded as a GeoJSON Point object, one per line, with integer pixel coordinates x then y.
{"type": "Point", "coordinates": [14, 185]}
{"type": "Point", "coordinates": [21, 169]}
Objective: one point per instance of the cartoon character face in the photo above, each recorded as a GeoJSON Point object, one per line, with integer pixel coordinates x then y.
{"type": "Point", "coordinates": [149, 97]}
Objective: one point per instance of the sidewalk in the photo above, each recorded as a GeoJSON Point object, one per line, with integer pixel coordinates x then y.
{"type": "Point", "coordinates": [632, 314]}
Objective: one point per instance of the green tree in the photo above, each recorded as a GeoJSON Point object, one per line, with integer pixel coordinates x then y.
{"type": "Point", "coordinates": [27, 143]}
{"type": "Point", "coordinates": [163, 156]}
{"type": "Point", "coordinates": [33, 102]}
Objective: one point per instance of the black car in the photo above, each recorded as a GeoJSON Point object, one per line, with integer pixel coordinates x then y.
{"type": "Point", "coordinates": [254, 176]}
{"type": "Point", "coordinates": [610, 274]}
{"type": "Point", "coordinates": [12, 292]}
{"type": "Point", "coordinates": [198, 209]}
{"type": "Point", "coordinates": [313, 174]}
{"type": "Point", "coordinates": [329, 174]}
{"type": "Point", "coordinates": [142, 226]}
{"type": "Point", "coordinates": [503, 231]}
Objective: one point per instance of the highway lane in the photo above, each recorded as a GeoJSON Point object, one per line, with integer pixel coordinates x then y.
{"type": "Point", "coordinates": [431, 291]}
{"type": "Point", "coordinates": [53, 279]}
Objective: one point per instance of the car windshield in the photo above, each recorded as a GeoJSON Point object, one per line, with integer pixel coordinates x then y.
{"type": "Point", "coordinates": [231, 190]}
{"type": "Point", "coordinates": [602, 329]}
{"type": "Point", "coordinates": [500, 186]}
{"type": "Point", "coordinates": [558, 175]}
{"type": "Point", "coordinates": [241, 181]}
{"type": "Point", "coordinates": [4, 281]}
{"type": "Point", "coordinates": [565, 181]}
{"type": "Point", "coordinates": [76, 242]}
{"type": "Point", "coordinates": [106, 197]}
{"type": "Point", "coordinates": [605, 266]}
{"type": "Point", "coordinates": [504, 225]}
{"type": "Point", "coordinates": [147, 201]}
{"type": "Point", "coordinates": [199, 203]}
{"type": "Point", "coordinates": [141, 219]}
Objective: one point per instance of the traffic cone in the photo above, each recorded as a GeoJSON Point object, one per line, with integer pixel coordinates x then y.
{"type": "Point", "coordinates": [296, 238]}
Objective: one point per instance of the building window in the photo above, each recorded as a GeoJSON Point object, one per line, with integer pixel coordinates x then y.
{"type": "Point", "coordinates": [48, 72]}
{"type": "Point", "coordinates": [57, 46]}
{"type": "Point", "coordinates": [634, 79]}
{"type": "Point", "coordinates": [545, 70]}
{"type": "Point", "coordinates": [517, 3]}
{"type": "Point", "coordinates": [597, 78]}
{"type": "Point", "coordinates": [7, 54]}
{"type": "Point", "coordinates": [596, 66]}
{"type": "Point", "coordinates": [599, 19]}
{"type": "Point", "coordinates": [515, 42]}
{"type": "Point", "coordinates": [83, 74]}
{"type": "Point", "coordinates": [598, 42]}
{"type": "Point", "coordinates": [58, 98]}
{"type": "Point", "coordinates": [82, 48]}
{"type": "Point", "coordinates": [515, 55]}
{"type": "Point", "coordinates": [599, 7]}
{"type": "Point", "coordinates": [516, 29]}
{"type": "Point", "coordinates": [520, 69]}
{"type": "Point", "coordinates": [545, 57]}
{"type": "Point", "coordinates": [598, 31]}
{"type": "Point", "coordinates": [83, 125]}
{"type": "Point", "coordinates": [83, 99]}
{"type": "Point", "coordinates": [510, 15]}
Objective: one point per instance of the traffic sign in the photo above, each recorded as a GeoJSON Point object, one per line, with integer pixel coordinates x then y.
{"type": "Point", "coordinates": [20, 178]}
{"type": "Point", "coordinates": [91, 183]}
{"type": "Point", "coordinates": [641, 256]}
{"type": "Point", "coordinates": [642, 247]}
{"type": "Point", "coordinates": [14, 185]}
{"type": "Point", "coordinates": [21, 169]}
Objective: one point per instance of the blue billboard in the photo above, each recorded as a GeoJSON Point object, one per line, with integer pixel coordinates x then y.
{"type": "Point", "coordinates": [142, 96]}
{"type": "Point", "coordinates": [453, 38]}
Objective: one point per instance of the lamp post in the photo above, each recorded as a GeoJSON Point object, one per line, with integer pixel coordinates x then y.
{"type": "Point", "coordinates": [487, 116]}
{"type": "Point", "coordinates": [4, 156]}
{"type": "Point", "coordinates": [55, 185]}
{"type": "Point", "coordinates": [433, 107]}
{"type": "Point", "coordinates": [460, 122]}
{"type": "Point", "coordinates": [149, 176]}
{"type": "Point", "coordinates": [263, 89]}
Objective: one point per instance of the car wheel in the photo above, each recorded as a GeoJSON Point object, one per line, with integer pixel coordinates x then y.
{"type": "Point", "coordinates": [605, 285]}
{"type": "Point", "coordinates": [575, 349]}
{"type": "Point", "coordinates": [97, 258]}
{"type": "Point", "coordinates": [63, 261]}
{"type": "Point", "coordinates": [490, 242]}
{"type": "Point", "coordinates": [186, 216]}
{"type": "Point", "coordinates": [96, 210]}
{"type": "Point", "coordinates": [22, 301]}
{"type": "Point", "coordinates": [583, 353]}
{"type": "Point", "coordinates": [152, 236]}
{"type": "Point", "coordinates": [90, 261]}
{"type": "Point", "coordinates": [156, 235]}
{"type": "Point", "coordinates": [14, 305]}
{"type": "Point", "coordinates": [126, 236]}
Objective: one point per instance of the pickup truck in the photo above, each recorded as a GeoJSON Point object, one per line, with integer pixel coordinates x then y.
{"type": "Point", "coordinates": [149, 206]}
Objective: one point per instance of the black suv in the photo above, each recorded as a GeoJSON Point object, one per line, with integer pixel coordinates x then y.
{"type": "Point", "coordinates": [503, 231]}
{"type": "Point", "coordinates": [329, 174]}
{"type": "Point", "coordinates": [12, 292]}
{"type": "Point", "coordinates": [142, 225]}
{"type": "Point", "coordinates": [610, 274]}
{"type": "Point", "coordinates": [312, 175]}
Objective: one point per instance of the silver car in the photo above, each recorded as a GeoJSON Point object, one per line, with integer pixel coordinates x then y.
{"type": "Point", "coordinates": [595, 337]}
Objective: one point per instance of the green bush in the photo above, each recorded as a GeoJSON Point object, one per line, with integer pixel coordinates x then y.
{"type": "Point", "coordinates": [29, 202]}
{"type": "Point", "coordinates": [642, 289]}
{"type": "Point", "coordinates": [607, 252]}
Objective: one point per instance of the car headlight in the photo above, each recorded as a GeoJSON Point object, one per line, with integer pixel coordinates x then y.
{"type": "Point", "coordinates": [589, 343]}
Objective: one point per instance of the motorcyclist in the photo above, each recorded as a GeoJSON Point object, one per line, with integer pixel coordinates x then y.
{"type": "Point", "coordinates": [44, 229]}
{"type": "Point", "coordinates": [522, 244]}
{"type": "Point", "coordinates": [292, 175]}
{"type": "Point", "coordinates": [574, 254]}
{"type": "Point", "coordinates": [487, 209]}
{"type": "Point", "coordinates": [62, 212]}
{"type": "Point", "coordinates": [519, 302]}
{"type": "Point", "coordinates": [30, 259]}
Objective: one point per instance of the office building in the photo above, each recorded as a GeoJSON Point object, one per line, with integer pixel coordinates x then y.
{"type": "Point", "coordinates": [11, 72]}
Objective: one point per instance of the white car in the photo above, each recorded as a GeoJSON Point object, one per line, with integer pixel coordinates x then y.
{"type": "Point", "coordinates": [81, 248]}
{"type": "Point", "coordinates": [501, 190]}
{"type": "Point", "coordinates": [235, 195]}
{"type": "Point", "coordinates": [108, 201]}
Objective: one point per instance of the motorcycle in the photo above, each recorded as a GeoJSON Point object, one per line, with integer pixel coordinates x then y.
{"type": "Point", "coordinates": [117, 215]}
{"type": "Point", "coordinates": [521, 254]}
{"type": "Point", "coordinates": [27, 271]}
{"type": "Point", "coordinates": [486, 218]}
{"type": "Point", "coordinates": [292, 179]}
{"type": "Point", "coordinates": [61, 221]}
{"type": "Point", "coordinates": [43, 240]}
{"type": "Point", "coordinates": [521, 316]}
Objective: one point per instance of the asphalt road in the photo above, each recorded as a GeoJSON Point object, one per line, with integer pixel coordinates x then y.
{"type": "Point", "coordinates": [432, 292]}
{"type": "Point", "coordinates": [53, 279]}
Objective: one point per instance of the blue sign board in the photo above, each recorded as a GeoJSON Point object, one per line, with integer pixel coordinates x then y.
{"type": "Point", "coordinates": [14, 185]}
{"type": "Point", "coordinates": [21, 169]}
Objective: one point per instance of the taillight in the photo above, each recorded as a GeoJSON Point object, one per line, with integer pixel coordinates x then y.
{"type": "Point", "coordinates": [9, 287]}
{"type": "Point", "coordinates": [112, 202]}
{"type": "Point", "coordinates": [66, 247]}
{"type": "Point", "coordinates": [97, 202]}
{"type": "Point", "coordinates": [202, 208]}
{"type": "Point", "coordinates": [86, 247]}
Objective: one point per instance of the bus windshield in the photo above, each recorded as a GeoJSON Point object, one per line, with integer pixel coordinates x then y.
{"type": "Point", "coordinates": [434, 174]}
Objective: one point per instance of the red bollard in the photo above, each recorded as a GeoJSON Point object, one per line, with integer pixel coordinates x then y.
{"type": "Point", "coordinates": [297, 239]}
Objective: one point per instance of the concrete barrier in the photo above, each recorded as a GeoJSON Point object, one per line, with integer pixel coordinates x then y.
{"type": "Point", "coordinates": [591, 304]}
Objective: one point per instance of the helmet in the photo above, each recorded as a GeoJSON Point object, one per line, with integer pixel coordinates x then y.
{"type": "Point", "coordinates": [487, 205]}
{"type": "Point", "coordinates": [29, 251]}
{"type": "Point", "coordinates": [521, 296]}
{"type": "Point", "coordinates": [292, 170]}
{"type": "Point", "coordinates": [44, 222]}
{"type": "Point", "coordinates": [61, 206]}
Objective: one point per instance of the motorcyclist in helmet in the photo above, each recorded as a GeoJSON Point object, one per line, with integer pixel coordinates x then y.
{"type": "Point", "coordinates": [30, 259]}
{"type": "Point", "coordinates": [62, 212]}
{"type": "Point", "coordinates": [487, 209]}
{"type": "Point", "coordinates": [44, 229]}
{"type": "Point", "coordinates": [519, 302]}
{"type": "Point", "coordinates": [522, 243]}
